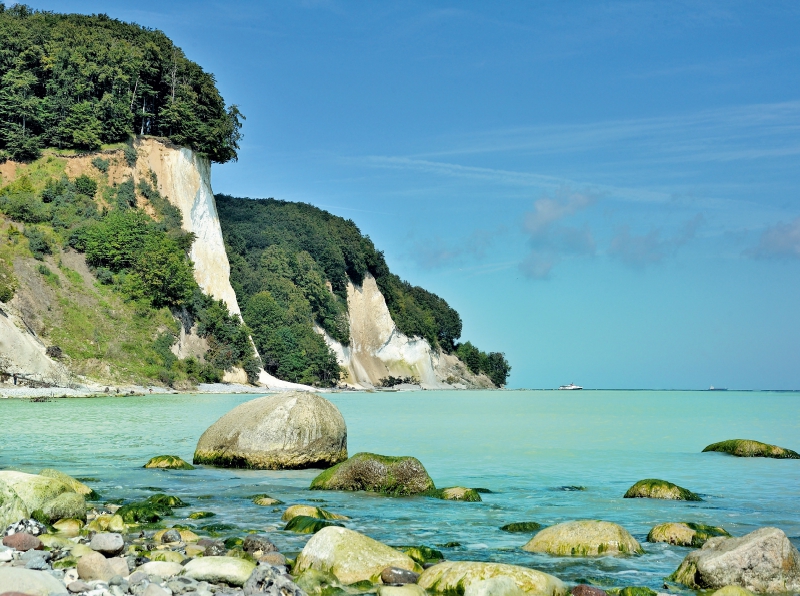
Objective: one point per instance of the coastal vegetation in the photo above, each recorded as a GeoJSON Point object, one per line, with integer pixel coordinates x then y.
{"type": "Point", "coordinates": [290, 267]}
{"type": "Point", "coordinates": [142, 278]}
{"type": "Point", "coordinates": [78, 82]}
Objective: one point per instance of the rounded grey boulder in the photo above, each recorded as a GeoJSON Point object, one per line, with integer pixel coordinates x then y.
{"type": "Point", "coordinates": [278, 432]}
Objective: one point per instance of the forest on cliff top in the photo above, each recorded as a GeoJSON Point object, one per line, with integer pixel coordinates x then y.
{"type": "Point", "coordinates": [282, 257]}
{"type": "Point", "coordinates": [71, 81]}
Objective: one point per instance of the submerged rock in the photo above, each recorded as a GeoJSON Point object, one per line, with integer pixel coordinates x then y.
{"type": "Point", "coordinates": [310, 511]}
{"type": "Point", "coordinates": [277, 432]}
{"type": "Point", "coordinates": [522, 527]}
{"type": "Point", "coordinates": [584, 538]}
{"type": "Point", "coordinates": [763, 561]}
{"type": "Point", "coordinates": [376, 473]}
{"type": "Point", "coordinates": [303, 524]}
{"type": "Point", "coordinates": [168, 462]}
{"type": "Point", "coordinates": [422, 554]}
{"type": "Point", "coordinates": [455, 577]}
{"type": "Point", "coordinates": [265, 500]}
{"type": "Point", "coordinates": [350, 556]}
{"type": "Point", "coordinates": [653, 488]}
{"type": "Point", "coordinates": [458, 493]}
{"type": "Point", "coordinates": [748, 448]}
{"type": "Point", "coordinates": [684, 533]}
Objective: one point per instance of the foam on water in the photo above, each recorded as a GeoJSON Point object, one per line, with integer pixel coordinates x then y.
{"type": "Point", "coordinates": [528, 447]}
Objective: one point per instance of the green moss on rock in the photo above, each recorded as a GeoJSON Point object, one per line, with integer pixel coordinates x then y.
{"type": "Point", "coordinates": [584, 538]}
{"type": "Point", "coordinates": [310, 511]}
{"type": "Point", "coordinates": [653, 488]}
{"type": "Point", "coordinates": [748, 448]}
{"type": "Point", "coordinates": [265, 500]}
{"type": "Point", "coordinates": [454, 493]}
{"type": "Point", "coordinates": [201, 515]}
{"type": "Point", "coordinates": [168, 462]}
{"type": "Point", "coordinates": [394, 476]}
{"type": "Point", "coordinates": [632, 591]}
{"type": "Point", "coordinates": [305, 524]}
{"type": "Point", "coordinates": [422, 554]}
{"type": "Point", "coordinates": [684, 533]}
{"type": "Point", "coordinates": [522, 527]}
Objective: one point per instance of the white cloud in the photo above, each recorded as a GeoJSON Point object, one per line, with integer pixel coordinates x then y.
{"type": "Point", "coordinates": [781, 241]}
{"type": "Point", "coordinates": [640, 250]}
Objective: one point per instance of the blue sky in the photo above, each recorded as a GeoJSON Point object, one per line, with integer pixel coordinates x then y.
{"type": "Point", "coordinates": [606, 191]}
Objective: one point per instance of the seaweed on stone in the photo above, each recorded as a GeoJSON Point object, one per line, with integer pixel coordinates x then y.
{"type": "Point", "coordinates": [749, 448]}
{"type": "Point", "coordinates": [522, 527]}
{"type": "Point", "coordinates": [654, 488]}
{"type": "Point", "coordinates": [305, 524]}
{"type": "Point", "coordinates": [388, 475]}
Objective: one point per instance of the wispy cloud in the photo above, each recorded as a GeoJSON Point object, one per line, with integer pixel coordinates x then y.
{"type": "Point", "coordinates": [780, 241]}
{"type": "Point", "coordinates": [550, 240]}
{"type": "Point", "coordinates": [640, 250]}
{"type": "Point", "coordinates": [435, 253]}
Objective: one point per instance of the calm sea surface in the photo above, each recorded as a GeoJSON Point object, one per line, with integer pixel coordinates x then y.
{"type": "Point", "coordinates": [529, 447]}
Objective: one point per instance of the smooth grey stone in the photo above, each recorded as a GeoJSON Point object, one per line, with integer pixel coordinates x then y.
{"type": "Point", "coordinates": [109, 544]}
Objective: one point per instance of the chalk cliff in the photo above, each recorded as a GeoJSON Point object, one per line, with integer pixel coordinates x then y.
{"type": "Point", "coordinates": [377, 349]}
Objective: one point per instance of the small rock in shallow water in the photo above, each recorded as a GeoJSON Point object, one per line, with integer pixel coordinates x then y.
{"type": "Point", "coordinates": [108, 544]}
{"type": "Point", "coordinates": [22, 541]}
{"type": "Point", "coordinates": [584, 590]}
{"type": "Point", "coordinates": [396, 575]}
{"type": "Point", "coordinates": [653, 488]}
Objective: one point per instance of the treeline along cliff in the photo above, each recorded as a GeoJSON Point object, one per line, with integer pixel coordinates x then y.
{"type": "Point", "coordinates": [112, 260]}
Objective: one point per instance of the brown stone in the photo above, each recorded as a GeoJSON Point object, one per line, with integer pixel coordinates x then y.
{"type": "Point", "coordinates": [584, 590]}
{"type": "Point", "coordinates": [274, 559]}
{"type": "Point", "coordinates": [22, 541]}
{"type": "Point", "coordinates": [396, 575]}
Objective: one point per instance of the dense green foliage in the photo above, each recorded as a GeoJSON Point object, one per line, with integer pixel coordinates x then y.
{"type": "Point", "coordinates": [494, 364]}
{"type": "Point", "coordinates": [77, 82]}
{"type": "Point", "coordinates": [145, 259]}
{"type": "Point", "coordinates": [282, 254]}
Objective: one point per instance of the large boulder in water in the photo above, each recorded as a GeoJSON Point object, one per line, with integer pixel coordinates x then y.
{"type": "Point", "coordinates": [455, 577]}
{"type": "Point", "coordinates": [747, 448]}
{"type": "Point", "coordinates": [350, 556]}
{"type": "Point", "coordinates": [584, 538]}
{"type": "Point", "coordinates": [763, 561]}
{"type": "Point", "coordinates": [278, 432]}
{"type": "Point", "coordinates": [377, 473]}
{"type": "Point", "coordinates": [653, 488]}
{"type": "Point", "coordinates": [34, 490]}
{"type": "Point", "coordinates": [684, 533]}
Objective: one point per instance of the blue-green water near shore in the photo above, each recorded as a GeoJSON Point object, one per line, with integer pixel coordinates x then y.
{"type": "Point", "coordinates": [526, 446]}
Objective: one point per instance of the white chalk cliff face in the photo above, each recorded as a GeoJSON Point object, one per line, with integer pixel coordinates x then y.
{"type": "Point", "coordinates": [377, 349]}
{"type": "Point", "coordinates": [184, 178]}
{"type": "Point", "coordinates": [25, 352]}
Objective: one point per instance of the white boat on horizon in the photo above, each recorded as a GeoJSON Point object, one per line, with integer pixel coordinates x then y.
{"type": "Point", "coordinates": [570, 387]}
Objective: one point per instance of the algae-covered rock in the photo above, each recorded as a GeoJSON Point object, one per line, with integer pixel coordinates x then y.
{"type": "Point", "coordinates": [455, 577]}
{"type": "Point", "coordinates": [653, 488]}
{"type": "Point", "coordinates": [522, 527]}
{"type": "Point", "coordinates": [117, 524]}
{"type": "Point", "coordinates": [265, 500]}
{"type": "Point", "coordinates": [377, 473]}
{"type": "Point", "coordinates": [168, 462]}
{"type": "Point", "coordinates": [405, 590]}
{"type": "Point", "coordinates": [422, 554]}
{"type": "Point", "coordinates": [494, 586]}
{"type": "Point", "coordinates": [684, 533]}
{"type": "Point", "coordinates": [303, 524]}
{"type": "Point", "coordinates": [733, 591]}
{"type": "Point", "coordinates": [12, 507]}
{"type": "Point", "coordinates": [632, 591]}
{"type": "Point", "coordinates": [65, 505]}
{"type": "Point", "coordinates": [166, 500]}
{"type": "Point", "coordinates": [75, 485]}
{"type": "Point", "coordinates": [315, 583]}
{"type": "Point", "coordinates": [310, 511]}
{"type": "Point", "coordinates": [748, 448]}
{"type": "Point", "coordinates": [34, 490]}
{"type": "Point", "coordinates": [230, 570]}
{"type": "Point", "coordinates": [457, 493]}
{"type": "Point", "coordinates": [350, 556]}
{"type": "Point", "coordinates": [277, 432]}
{"type": "Point", "coordinates": [584, 538]}
{"type": "Point", "coordinates": [763, 561]}
{"type": "Point", "coordinates": [166, 556]}
{"type": "Point", "coordinates": [201, 515]}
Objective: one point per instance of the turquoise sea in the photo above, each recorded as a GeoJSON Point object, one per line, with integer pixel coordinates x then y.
{"type": "Point", "coordinates": [531, 448]}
